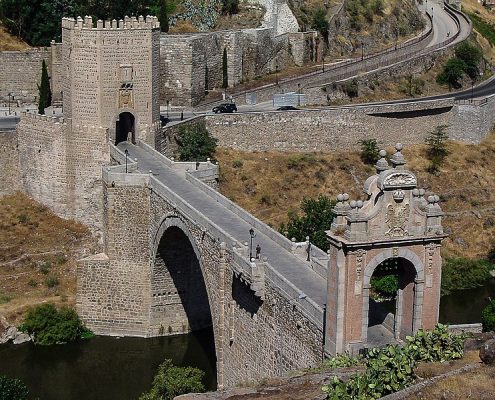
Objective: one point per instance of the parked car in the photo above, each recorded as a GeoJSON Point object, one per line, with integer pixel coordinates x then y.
{"type": "Point", "coordinates": [287, 108]}
{"type": "Point", "coordinates": [225, 108]}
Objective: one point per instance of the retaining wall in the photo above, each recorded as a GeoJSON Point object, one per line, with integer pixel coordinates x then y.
{"type": "Point", "coordinates": [9, 163]}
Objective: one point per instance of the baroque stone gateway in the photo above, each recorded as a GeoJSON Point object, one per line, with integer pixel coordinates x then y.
{"type": "Point", "coordinates": [177, 256]}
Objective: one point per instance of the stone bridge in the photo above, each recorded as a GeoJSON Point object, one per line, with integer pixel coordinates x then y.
{"type": "Point", "coordinates": [179, 257]}
{"type": "Point", "coordinates": [176, 259]}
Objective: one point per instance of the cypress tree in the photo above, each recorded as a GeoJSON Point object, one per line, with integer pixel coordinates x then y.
{"type": "Point", "coordinates": [164, 16]}
{"type": "Point", "coordinates": [45, 93]}
{"type": "Point", "coordinates": [224, 69]}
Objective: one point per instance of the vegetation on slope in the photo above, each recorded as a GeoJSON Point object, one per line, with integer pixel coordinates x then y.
{"type": "Point", "coordinates": [38, 256]}
{"type": "Point", "coordinates": [271, 184]}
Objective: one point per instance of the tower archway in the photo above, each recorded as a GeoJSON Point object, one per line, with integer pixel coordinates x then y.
{"type": "Point", "coordinates": [125, 128]}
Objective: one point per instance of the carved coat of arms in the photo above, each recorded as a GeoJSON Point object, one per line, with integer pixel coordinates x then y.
{"type": "Point", "coordinates": [396, 219]}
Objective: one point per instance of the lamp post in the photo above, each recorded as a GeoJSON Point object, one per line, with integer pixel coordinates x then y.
{"type": "Point", "coordinates": [322, 62]}
{"type": "Point", "coordinates": [126, 156]}
{"type": "Point", "coordinates": [276, 74]}
{"type": "Point", "coordinates": [362, 51]}
{"type": "Point", "coordinates": [10, 94]}
{"type": "Point", "coordinates": [298, 94]}
{"type": "Point", "coordinates": [252, 236]}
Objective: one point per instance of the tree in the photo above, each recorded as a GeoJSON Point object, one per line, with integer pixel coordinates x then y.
{"type": "Point", "coordinates": [317, 218]}
{"type": "Point", "coordinates": [230, 7]}
{"type": "Point", "coordinates": [12, 389]}
{"type": "Point", "coordinates": [351, 89]}
{"type": "Point", "coordinates": [225, 76]}
{"type": "Point", "coordinates": [320, 22]}
{"type": "Point", "coordinates": [51, 326]}
{"type": "Point", "coordinates": [452, 73]}
{"type": "Point", "coordinates": [437, 148]}
{"type": "Point", "coordinates": [369, 151]}
{"type": "Point", "coordinates": [163, 16]}
{"type": "Point", "coordinates": [171, 381]}
{"type": "Point", "coordinates": [44, 91]}
{"type": "Point", "coordinates": [472, 56]}
{"type": "Point", "coordinates": [488, 317]}
{"type": "Point", "coordinates": [195, 142]}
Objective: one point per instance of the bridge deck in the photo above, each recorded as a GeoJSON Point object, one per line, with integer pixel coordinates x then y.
{"type": "Point", "coordinates": [292, 268]}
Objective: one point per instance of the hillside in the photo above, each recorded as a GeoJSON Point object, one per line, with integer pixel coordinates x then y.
{"type": "Point", "coordinates": [38, 255]}
{"type": "Point", "coordinates": [9, 42]}
{"type": "Point", "coordinates": [271, 184]}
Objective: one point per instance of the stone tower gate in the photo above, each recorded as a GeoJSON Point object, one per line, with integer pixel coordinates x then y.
{"type": "Point", "coordinates": [394, 224]}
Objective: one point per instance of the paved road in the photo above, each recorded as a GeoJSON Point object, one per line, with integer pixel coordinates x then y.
{"type": "Point", "coordinates": [291, 267]}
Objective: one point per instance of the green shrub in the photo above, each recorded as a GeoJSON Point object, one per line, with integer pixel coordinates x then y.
{"type": "Point", "coordinates": [486, 29]}
{"type": "Point", "coordinates": [195, 142]}
{"type": "Point", "coordinates": [51, 281]}
{"type": "Point", "coordinates": [452, 73]}
{"type": "Point", "coordinates": [385, 285]}
{"type": "Point", "coordinates": [316, 219]}
{"type": "Point", "coordinates": [237, 164]}
{"type": "Point", "coordinates": [488, 317]}
{"type": "Point", "coordinates": [460, 273]}
{"type": "Point", "coordinates": [45, 267]}
{"type": "Point", "coordinates": [51, 326]}
{"type": "Point", "coordinates": [12, 389]}
{"type": "Point", "coordinates": [230, 7]}
{"type": "Point", "coordinates": [320, 22]}
{"type": "Point", "coordinates": [343, 360]}
{"type": "Point", "coordinates": [436, 345]}
{"type": "Point", "coordinates": [472, 56]}
{"type": "Point", "coordinates": [369, 151]}
{"type": "Point", "coordinates": [391, 368]}
{"type": "Point", "coordinates": [4, 297]}
{"type": "Point", "coordinates": [171, 381]}
{"type": "Point", "coordinates": [351, 89]}
{"type": "Point", "coordinates": [437, 149]}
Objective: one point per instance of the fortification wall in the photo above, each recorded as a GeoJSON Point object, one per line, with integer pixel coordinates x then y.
{"type": "Point", "coordinates": [43, 160]}
{"type": "Point", "coordinates": [472, 120]}
{"type": "Point", "coordinates": [10, 175]}
{"type": "Point", "coordinates": [60, 166]}
{"type": "Point", "coordinates": [320, 130]}
{"type": "Point", "coordinates": [21, 72]}
{"type": "Point", "coordinates": [191, 65]}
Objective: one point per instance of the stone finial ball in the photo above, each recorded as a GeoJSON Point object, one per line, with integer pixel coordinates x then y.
{"type": "Point", "coordinates": [415, 192]}
{"type": "Point", "coordinates": [422, 192]}
{"type": "Point", "coordinates": [353, 203]}
{"type": "Point", "coordinates": [359, 203]}
{"type": "Point", "coordinates": [399, 146]}
{"type": "Point", "coordinates": [431, 199]}
{"type": "Point", "coordinates": [340, 197]}
{"type": "Point", "coordinates": [346, 197]}
{"type": "Point", "coordinates": [437, 198]}
{"type": "Point", "coordinates": [382, 153]}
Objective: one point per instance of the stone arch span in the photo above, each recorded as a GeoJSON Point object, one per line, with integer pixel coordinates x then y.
{"type": "Point", "coordinates": [180, 298]}
{"type": "Point", "coordinates": [409, 302]}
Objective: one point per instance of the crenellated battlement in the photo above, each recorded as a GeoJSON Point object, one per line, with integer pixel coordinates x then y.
{"type": "Point", "coordinates": [45, 118]}
{"type": "Point", "coordinates": [150, 22]}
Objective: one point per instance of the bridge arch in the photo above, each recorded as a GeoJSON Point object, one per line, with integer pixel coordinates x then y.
{"type": "Point", "coordinates": [180, 298]}
{"type": "Point", "coordinates": [409, 300]}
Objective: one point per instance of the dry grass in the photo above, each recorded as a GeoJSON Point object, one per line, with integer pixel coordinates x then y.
{"type": "Point", "coordinates": [9, 42]}
{"type": "Point", "coordinates": [38, 253]}
{"type": "Point", "coordinates": [270, 184]}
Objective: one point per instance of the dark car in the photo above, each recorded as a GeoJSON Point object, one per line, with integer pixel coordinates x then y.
{"type": "Point", "coordinates": [225, 108]}
{"type": "Point", "coordinates": [287, 108]}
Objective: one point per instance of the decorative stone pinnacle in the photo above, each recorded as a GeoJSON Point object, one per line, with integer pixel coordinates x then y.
{"type": "Point", "coordinates": [398, 159]}
{"type": "Point", "coordinates": [382, 163]}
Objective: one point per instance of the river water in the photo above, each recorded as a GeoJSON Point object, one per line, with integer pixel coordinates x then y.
{"type": "Point", "coordinates": [111, 368]}
{"type": "Point", "coordinates": [104, 367]}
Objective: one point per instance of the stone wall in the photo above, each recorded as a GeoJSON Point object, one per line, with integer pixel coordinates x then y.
{"type": "Point", "coordinates": [9, 163]}
{"type": "Point", "coordinates": [192, 64]}
{"type": "Point", "coordinates": [21, 73]}
{"type": "Point", "coordinates": [60, 166]}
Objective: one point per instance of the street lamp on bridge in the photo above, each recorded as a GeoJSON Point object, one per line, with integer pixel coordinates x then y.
{"type": "Point", "coordinates": [252, 235]}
